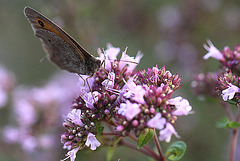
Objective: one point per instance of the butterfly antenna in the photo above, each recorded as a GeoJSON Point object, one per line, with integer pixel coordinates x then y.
{"type": "Point", "coordinates": [128, 61]}
{"type": "Point", "coordinates": [105, 57]}
{"type": "Point", "coordinates": [104, 70]}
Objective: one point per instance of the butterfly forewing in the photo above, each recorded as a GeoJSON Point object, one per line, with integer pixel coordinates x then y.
{"type": "Point", "coordinates": [60, 47]}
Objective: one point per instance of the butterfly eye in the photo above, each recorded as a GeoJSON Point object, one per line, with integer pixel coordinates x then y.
{"type": "Point", "coordinates": [40, 23]}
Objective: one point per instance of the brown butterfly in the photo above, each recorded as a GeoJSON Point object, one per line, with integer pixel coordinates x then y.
{"type": "Point", "coordinates": [60, 47]}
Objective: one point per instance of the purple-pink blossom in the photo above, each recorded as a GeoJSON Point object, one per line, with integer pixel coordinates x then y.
{"type": "Point", "coordinates": [212, 51]}
{"type": "Point", "coordinates": [182, 106]}
{"type": "Point", "coordinates": [11, 134]}
{"type": "Point", "coordinates": [129, 110]}
{"type": "Point", "coordinates": [130, 61]}
{"type": "Point", "coordinates": [90, 98]}
{"type": "Point", "coordinates": [29, 143]}
{"type": "Point", "coordinates": [109, 55]}
{"type": "Point", "coordinates": [229, 92]}
{"type": "Point", "coordinates": [135, 92]}
{"type": "Point", "coordinates": [71, 154]}
{"type": "Point", "coordinates": [75, 117]}
{"type": "Point", "coordinates": [109, 83]}
{"type": "Point", "coordinates": [167, 132]}
{"type": "Point", "coordinates": [112, 52]}
{"type": "Point", "coordinates": [25, 113]}
{"type": "Point", "coordinates": [92, 141]}
{"type": "Point", "coordinates": [157, 122]}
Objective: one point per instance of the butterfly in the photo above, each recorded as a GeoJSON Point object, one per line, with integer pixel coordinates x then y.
{"type": "Point", "coordinates": [60, 47]}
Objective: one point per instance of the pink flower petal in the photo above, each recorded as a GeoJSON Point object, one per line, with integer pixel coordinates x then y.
{"type": "Point", "coordinates": [230, 92]}
{"type": "Point", "coordinates": [166, 133]}
{"type": "Point", "coordinates": [157, 122]}
{"type": "Point", "coordinates": [92, 140]}
{"type": "Point", "coordinates": [212, 51]}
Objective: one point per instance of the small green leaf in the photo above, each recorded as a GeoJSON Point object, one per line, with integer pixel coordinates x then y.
{"type": "Point", "coordinates": [232, 124]}
{"type": "Point", "coordinates": [232, 102]}
{"type": "Point", "coordinates": [145, 137]}
{"type": "Point", "coordinates": [111, 149]}
{"type": "Point", "coordinates": [222, 123]}
{"type": "Point", "coordinates": [176, 150]}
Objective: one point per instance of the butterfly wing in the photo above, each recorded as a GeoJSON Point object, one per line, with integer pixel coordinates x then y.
{"type": "Point", "coordinates": [61, 48]}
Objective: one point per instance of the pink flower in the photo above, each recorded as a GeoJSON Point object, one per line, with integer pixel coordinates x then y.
{"type": "Point", "coordinates": [182, 106]}
{"type": "Point", "coordinates": [129, 110]}
{"type": "Point", "coordinates": [25, 112]}
{"type": "Point", "coordinates": [111, 51]}
{"type": "Point", "coordinates": [47, 141]}
{"type": "Point", "coordinates": [92, 140]}
{"type": "Point", "coordinates": [109, 55]}
{"type": "Point", "coordinates": [11, 134]}
{"type": "Point", "coordinates": [75, 117]}
{"type": "Point", "coordinates": [130, 61]}
{"type": "Point", "coordinates": [72, 154]}
{"type": "Point", "coordinates": [134, 92]}
{"type": "Point", "coordinates": [166, 133]}
{"type": "Point", "coordinates": [229, 92]}
{"type": "Point", "coordinates": [29, 143]}
{"type": "Point", "coordinates": [90, 98]}
{"type": "Point", "coordinates": [212, 51]}
{"type": "Point", "coordinates": [109, 83]}
{"type": "Point", "coordinates": [157, 122]}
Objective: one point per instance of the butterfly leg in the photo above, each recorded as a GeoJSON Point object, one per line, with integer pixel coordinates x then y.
{"type": "Point", "coordinates": [82, 79]}
{"type": "Point", "coordinates": [90, 87]}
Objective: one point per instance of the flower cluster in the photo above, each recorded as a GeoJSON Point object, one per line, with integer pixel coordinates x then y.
{"type": "Point", "coordinates": [229, 87]}
{"type": "Point", "coordinates": [230, 60]}
{"type": "Point", "coordinates": [127, 100]}
{"type": "Point", "coordinates": [224, 82]}
{"type": "Point", "coordinates": [224, 85]}
{"type": "Point", "coordinates": [37, 112]}
{"type": "Point", "coordinates": [205, 84]}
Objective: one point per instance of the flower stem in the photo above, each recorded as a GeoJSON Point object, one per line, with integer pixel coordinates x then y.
{"type": "Point", "coordinates": [234, 139]}
{"type": "Point", "coordinates": [228, 111]}
{"type": "Point", "coordinates": [158, 146]}
{"type": "Point", "coordinates": [140, 150]}
{"type": "Point", "coordinates": [238, 116]}
{"type": "Point", "coordinates": [233, 144]}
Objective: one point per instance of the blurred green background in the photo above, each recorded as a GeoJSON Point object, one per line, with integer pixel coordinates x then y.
{"type": "Point", "coordinates": [168, 33]}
